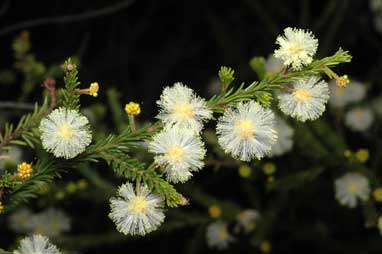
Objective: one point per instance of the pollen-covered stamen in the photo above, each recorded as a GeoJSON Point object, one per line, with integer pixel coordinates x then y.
{"type": "Point", "coordinates": [176, 153]}
{"type": "Point", "coordinates": [184, 110]}
{"type": "Point", "coordinates": [302, 95]}
{"type": "Point", "coordinates": [138, 205]}
{"type": "Point", "coordinates": [246, 128]}
{"type": "Point", "coordinates": [66, 132]}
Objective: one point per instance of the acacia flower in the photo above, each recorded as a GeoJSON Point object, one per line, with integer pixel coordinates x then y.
{"type": "Point", "coordinates": [247, 219]}
{"type": "Point", "coordinates": [359, 118]}
{"type": "Point", "coordinates": [65, 133]}
{"type": "Point", "coordinates": [217, 235]}
{"type": "Point", "coordinates": [284, 141]}
{"type": "Point", "coordinates": [307, 99]}
{"type": "Point", "coordinates": [92, 90]}
{"type": "Point", "coordinates": [179, 151]}
{"type": "Point", "coordinates": [182, 108]}
{"type": "Point", "coordinates": [132, 109]}
{"type": "Point", "coordinates": [136, 212]}
{"type": "Point", "coordinates": [297, 47]}
{"type": "Point", "coordinates": [340, 96]}
{"type": "Point", "coordinates": [350, 188]}
{"type": "Point", "coordinates": [51, 222]}
{"type": "Point", "coordinates": [24, 170]}
{"type": "Point", "coordinates": [247, 131]}
{"type": "Point", "coordinates": [36, 244]}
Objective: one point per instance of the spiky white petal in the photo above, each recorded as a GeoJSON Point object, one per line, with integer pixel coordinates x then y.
{"type": "Point", "coordinates": [136, 213]}
{"type": "Point", "coordinates": [36, 244]}
{"type": "Point", "coordinates": [51, 222]}
{"type": "Point", "coordinates": [359, 118]}
{"type": "Point", "coordinates": [297, 47]}
{"type": "Point", "coordinates": [179, 151]}
{"type": "Point", "coordinates": [341, 96]}
{"type": "Point", "coordinates": [217, 235]}
{"type": "Point", "coordinates": [350, 188]}
{"type": "Point", "coordinates": [307, 101]}
{"type": "Point", "coordinates": [180, 107]}
{"type": "Point", "coordinates": [247, 219]}
{"type": "Point", "coordinates": [65, 133]}
{"type": "Point", "coordinates": [284, 141]}
{"type": "Point", "coordinates": [247, 131]}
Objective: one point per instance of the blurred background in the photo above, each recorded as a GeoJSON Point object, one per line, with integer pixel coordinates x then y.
{"type": "Point", "coordinates": [133, 49]}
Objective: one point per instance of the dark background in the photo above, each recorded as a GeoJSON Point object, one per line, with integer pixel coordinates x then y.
{"type": "Point", "coordinates": [143, 46]}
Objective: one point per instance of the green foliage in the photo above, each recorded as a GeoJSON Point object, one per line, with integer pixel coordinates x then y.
{"type": "Point", "coordinates": [71, 99]}
{"type": "Point", "coordinates": [226, 75]}
{"type": "Point", "coordinates": [257, 64]}
{"type": "Point", "coordinates": [44, 171]}
{"type": "Point", "coordinates": [25, 132]}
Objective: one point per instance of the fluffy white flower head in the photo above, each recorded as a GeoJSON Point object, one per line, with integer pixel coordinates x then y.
{"type": "Point", "coordinates": [247, 131]}
{"type": "Point", "coordinates": [359, 119]}
{"type": "Point", "coordinates": [284, 141]}
{"type": "Point", "coordinates": [297, 47]}
{"type": "Point", "coordinates": [341, 96]}
{"type": "Point", "coordinates": [51, 222]}
{"type": "Point", "coordinates": [307, 101]}
{"type": "Point", "coordinates": [247, 219]}
{"type": "Point", "coordinates": [179, 152]}
{"type": "Point", "coordinates": [65, 133]}
{"type": "Point", "coordinates": [182, 108]}
{"type": "Point", "coordinates": [136, 213]}
{"type": "Point", "coordinates": [36, 244]}
{"type": "Point", "coordinates": [217, 235]}
{"type": "Point", "coordinates": [350, 188]}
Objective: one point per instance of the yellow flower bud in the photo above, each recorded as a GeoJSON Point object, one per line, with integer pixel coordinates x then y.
{"type": "Point", "coordinates": [377, 193]}
{"type": "Point", "coordinates": [24, 170]}
{"type": "Point", "coordinates": [265, 247]}
{"type": "Point", "coordinates": [93, 89]}
{"type": "Point", "coordinates": [133, 109]}
{"type": "Point", "coordinates": [214, 211]}
{"type": "Point", "coordinates": [362, 155]}
{"type": "Point", "coordinates": [2, 208]}
{"type": "Point", "coordinates": [244, 171]}
{"type": "Point", "coordinates": [342, 81]}
{"type": "Point", "coordinates": [269, 168]}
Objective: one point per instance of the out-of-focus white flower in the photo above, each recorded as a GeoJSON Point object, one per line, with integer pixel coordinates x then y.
{"type": "Point", "coordinates": [136, 212]}
{"type": "Point", "coordinates": [180, 107]}
{"type": "Point", "coordinates": [11, 157]}
{"type": "Point", "coordinates": [214, 86]}
{"type": "Point", "coordinates": [179, 151]}
{"type": "Point", "coordinates": [359, 118]}
{"type": "Point", "coordinates": [273, 64]}
{"type": "Point", "coordinates": [36, 244]}
{"type": "Point", "coordinates": [21, 221]}
{"type": "Point", "coordinates": [284, 141]}
{"type": "Point", "coordinates": [341, 96]}
{"type": "Point", "coordinates": [247, 219]}
{"type": "Point", "coordinates": [350, 188]}
{"type": "Point", "coordinates": [247, 131]}
{"type": "Point", "coordinates": [65, 133]}
{"type": "Point", "coordinates": [217, 235]}
{"type": "Point", "coordinates": [377, 106]}
{"type": "Point", "coordinates": [307, 100]}
{"type": "Point", "coordinates": [51, 222]}
{"type": "Point", "coordinates": [297, 47]}
{"type": "Point", "coordinates": [376, 5]}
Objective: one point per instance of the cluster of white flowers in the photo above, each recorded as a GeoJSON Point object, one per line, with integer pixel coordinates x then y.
{"type": "Point", "coordinates": [36, 244]}
{"type": "Point", "coordinates": [65, 133]}
{"type": "Point", "coordinates": [136, 212]}
{"type": "Point", "coordinates": [350, 188]}
{"type": "Point", "coordinates": [51, 222]}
